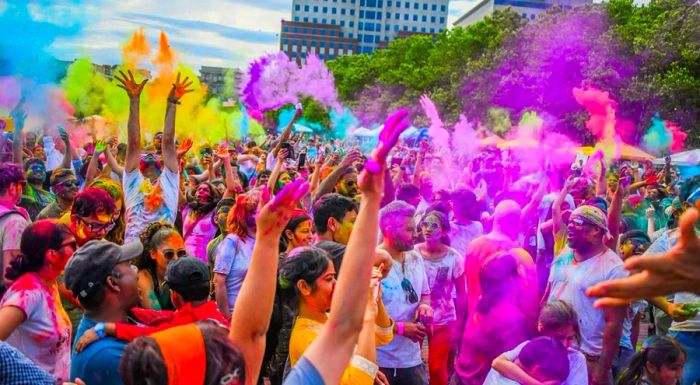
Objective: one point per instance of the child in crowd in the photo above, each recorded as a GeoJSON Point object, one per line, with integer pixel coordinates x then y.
{"type": "Point", "coordinates": [544, 359]}
{"type": "Point", "coordinates": [660, 362]}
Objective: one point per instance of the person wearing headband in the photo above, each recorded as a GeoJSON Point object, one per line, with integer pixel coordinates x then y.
{"type": "Point", "coordinates": [586, 262]}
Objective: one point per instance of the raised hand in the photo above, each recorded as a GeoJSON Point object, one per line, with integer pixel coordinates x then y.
{"type": "Point", "coordinates": [18, 115]}
{"type": "Point", "coordinates": [129, 84]}
{"type": "Point", "coordinates": [274, 213]}
{"type": "Point", "coordinates": [282, 155]}
{"type": "Point", "coordinates": [393, 127]}
{"type": "Point", "coordinates": [675, 271]}
{"type": "Point", "coordinates": [184, 147]}
{"type": "Point", "coordinates": [100, 146]}
{"type": "Point", "coordinates": [180, 88]}
{"type": "Point", "coordinates": [113, 141]}
{"type": "Point", "coordinates": [350, 158]}
{"type": "Point", "coordinates": [63, 134]}
{"type": "Point", "coordinates": [222, 153]}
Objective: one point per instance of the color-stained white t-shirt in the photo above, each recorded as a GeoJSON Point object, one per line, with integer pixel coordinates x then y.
{"type": "Point", "coordinates": [45, 336]}
{"type": "Point", "coordinates": [137, 215]}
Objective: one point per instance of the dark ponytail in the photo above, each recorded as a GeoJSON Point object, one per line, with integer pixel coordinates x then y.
{"type": "Point", "coordinates": [38, 238]}
{"type": "Point", "coordinates": [307, 263]}
{"type": "Point", "coordinates": [658, 351]}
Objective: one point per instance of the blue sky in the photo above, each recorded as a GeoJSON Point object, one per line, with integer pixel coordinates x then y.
{"type": "Point", "coordinates": [226, 33]}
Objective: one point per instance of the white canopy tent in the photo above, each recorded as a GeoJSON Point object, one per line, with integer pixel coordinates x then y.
{"type": "Point", "coordinates": [685, 158]}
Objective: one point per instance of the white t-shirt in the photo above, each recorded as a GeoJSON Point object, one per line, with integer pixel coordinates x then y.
{"type": "Point", "coordinates": [45, 336]}
{"type": "Point", "coordinates": [137, 216]}
{"type": "Point", "coordinates": [441, 275]}
{"type": "Point", "coordinates": [569, 282]}
{"type": "Point", "coordinates": [462, 235]}
{"type": "Point", "coordinates": [12, 226]}
{"type": "Point", "coordinates": [578, 371]}
{"type": "Point", "coordinates": [402, 352]}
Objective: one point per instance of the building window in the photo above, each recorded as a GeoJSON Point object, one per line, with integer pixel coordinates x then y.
{"type": "Point", "coordinates": [362, 3]}
{"type": "Point", "coordinates": [397, 16]}
{"type": "Point", "coordinates": [372, 3]}
{"type": "Point", "coordinates": [369, 15]}
{"type": "Point", "coordinates": [350, 47]}
{"type": "Point", "coordinates": [442, 20]}
{"type": "Point", "coordinates": [350, 35]}
{"type": "Point", "coordinates": [532, 17]}
{"type": "Point", "coordinates": [415, 17]}
{"type": "Point", "coordinates": [342, 11]}
{"type": "Point", "coordinates": [405, 16]}
{"type": "Point", "coordinates": [362, 14]}
{"type": "Point", "coordinates": [359, 37]}
{"type": "Point", "coordinates": [422, 29]}
{"type": "Point", "coordinates": [432, 30]}
{"type": "Point", "coordinates": [296, 30]}
{"type": "Point", "coordinates": [341, 45]}
{"type": "Point", "coordinates": [415, 5]}
{"type": "Point", "coordinates": [376, 39]}
{"type": "Point", "coordinates": [331, 44]}
{"type": "Point", "coordinates": [315, 8]}
{"type": "Point", "coordinates": [524, 15]}
{"type": "Point", "coordinates": [398, 4]}
{"type": "Point", "coordinates": [367, 50]}
{"type": "Point", "coordinates": [306, 20]}
{"type": "Point", "coordinates": [368, 39]}
{"type": "Point", "coordinates": [332, 21]}
{"type": "Point", "coordinates": [405, 28]}
{"type": "Point", "coordinates": [296, 18]}
{"type": "Point", "coordinates": [443, 8]}
{"type": "Point", "coordinates": [323, 32]}
{"type": "Point", "coordinates": [334, 10]}
{"type": "Point", "coordinates": [306, 8]}
{"type": "Point", "coordinates": [387, 27]}
{"type": "Point", "coordinates": [396, 28]}
{"type": "Point", "coordinates": [297, 7]}
{"type": "Point", "coordinates": [388, 3]}
{"type": "Point", "coordinates": [352, 12]}
{"type": "Point", "coordinates": [360, 26]}
{"type": "Point", "coordinates": [285, 41]}
{"type": "Point", "coordinates": [433, 19]}
{"type": "Point", "coordinates": [322, 44]}
{"type": "Point", "coordinates": [407, 5]}
{"type": "Point", "coordinates": [286, 28]}
{"type": "Point", "coordinates": [295, 41]}
{"type": "Point", "coordinates": [351, 23]}
{"type": "Point", "coordinates": [415, 29]}
{"type": "Point", "coordinates": [424, 18]}
{"type": "Point", "coordinates": [386, 38]}
{"type": "Point", "coordinates": [323, 21]}
{"type": "Point", "coordinates": [425, 6]}
{"type": "Point", "coordinates": [434, 7]}
{"type": "Point", "coordinates": [325, 9]}
{"type": "Point", "coordinates": [313, 43]}
{"type": "Point", "coordinates": [333, 31]}
{"type": "Point", "coordinates": [342, 23]}
{"type": "Point", "coordinates": [369, 27]}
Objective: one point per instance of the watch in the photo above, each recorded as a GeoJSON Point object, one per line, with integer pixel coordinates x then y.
{"type": "Point", "coordinates": [100, 329]}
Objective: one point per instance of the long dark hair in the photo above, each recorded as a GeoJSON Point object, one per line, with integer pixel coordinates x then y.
{"type": "Point", "coordinates": [142, 361]}
{"type": "Point", "coordinates": [307, 263]}
{"type": "Point", "coordinates": [659, 351]}
{"type": "Point", "coordinates": [38, 238]}
{"type": "Point", "coordinates": [203, 208]}
{"type": "Point", "coordinates": [495, 278]}
{"type": "Point", "coordinates": [444, 223]}
{"type": "Point", "coordinates": [295, 221]}
{"type": "Point", "coordinates": [151, 237]}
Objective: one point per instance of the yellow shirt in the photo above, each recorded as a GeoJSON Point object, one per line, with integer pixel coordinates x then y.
{"type": "Point", "coordinates": [361, 371]}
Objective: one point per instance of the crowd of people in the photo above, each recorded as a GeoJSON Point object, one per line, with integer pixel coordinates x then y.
{"type": "Point", "coordinates": [301, 260]}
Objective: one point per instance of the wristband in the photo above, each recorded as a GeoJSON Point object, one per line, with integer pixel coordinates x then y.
{"type": "Point", "coordinates": [399, 328]}
{"type": "Point", "coordinates": [173, 100]}
{"type": "Point", "coordinates": [100, 329]}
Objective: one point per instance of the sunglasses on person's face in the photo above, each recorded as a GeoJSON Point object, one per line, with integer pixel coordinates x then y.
{"type": "Point", "coordinates": [407, 287]}
{"type": "Point", "coordinates": [96, 227]}
{"type": "Point", "coordinates": [70, 183]}
{"type": "Point", "coordinates": [170, 254]}
{"type": "Point", "coordinates": [430, 226]}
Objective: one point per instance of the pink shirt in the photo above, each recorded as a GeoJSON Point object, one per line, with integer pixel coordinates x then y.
{"type": "Point", "coordinates": [197, 231]}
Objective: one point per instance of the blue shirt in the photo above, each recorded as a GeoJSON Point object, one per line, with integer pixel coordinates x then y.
{"type": "Point", "coordinates": [303, 373]}
{"type": "Point", "coordinates": [99, 362]}
{"type": "Point", "coordinates": [16, 369]}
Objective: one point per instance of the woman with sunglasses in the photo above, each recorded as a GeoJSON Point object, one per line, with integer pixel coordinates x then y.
{"type": "Point", "coordinates": [32, 318]}
{"type": "Point", "coordinates": [114, 189]}
{"type": "Point", "coordinates": [92, 215]}
{"type": "Point", "coordinates": [161, 244]}
{"type": "Point", "coordinates": [445, 270]}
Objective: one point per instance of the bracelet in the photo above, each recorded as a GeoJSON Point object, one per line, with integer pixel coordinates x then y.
{"type": "Point", "coordinates": [400, 328]}
{"type": "Point", "coordinates": [173, 100]}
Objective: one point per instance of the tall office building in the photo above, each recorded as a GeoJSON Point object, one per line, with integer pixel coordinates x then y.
{"type": "Point", "coordinates": [338, 27]}
{"type": "Point", "coordinates": [527, 9]}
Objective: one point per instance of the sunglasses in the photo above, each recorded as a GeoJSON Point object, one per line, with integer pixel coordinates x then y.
{"type": "Point", "coordinates": [430, 226]}
{"type": "Point", "coordinates": [170, 254]}
{"type": "Point", "coordinates": [407, 287]}
{"type": "Point", "coordinates": [97, 227]}
{"type": "Point", "coordinates": [72, 244]}
{"type": "Point", "coordinates": [70, 183]}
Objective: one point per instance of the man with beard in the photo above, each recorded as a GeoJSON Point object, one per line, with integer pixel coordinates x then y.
{"type": "Point", "coordinates": [588, 262]}
{"type": "Point", "coordinates": [34, 197]}
{"type": "Point", "coordinates": [406, 296]}
{"type": "Point", "coordinates": [198, 226]}
{"type": "Point", "coordinates": [65, 186]}
{"type": "Point", "coordinates": [343, 179]}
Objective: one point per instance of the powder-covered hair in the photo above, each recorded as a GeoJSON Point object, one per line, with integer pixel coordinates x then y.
{"type": "Point", "coordinates": [393, 213]}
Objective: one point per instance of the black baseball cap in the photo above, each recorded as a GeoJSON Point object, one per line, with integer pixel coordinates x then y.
{"type": "Point", "coordinates": [186, 272]}
{"type": "Point", "coordinates": [90, 265]}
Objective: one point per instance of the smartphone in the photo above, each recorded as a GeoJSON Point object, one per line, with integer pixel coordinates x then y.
{"type": "Point", "coordinates": [290, 149]}
{"type": "Point", "coordinates": [302, 161]}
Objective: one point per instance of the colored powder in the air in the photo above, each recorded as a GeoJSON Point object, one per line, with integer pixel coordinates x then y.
{"type": "Point", "coordinates": [136, 50]}
{"type": "Point", "coordinates": [229, 84]}
{"type": "Point", "coordinates": [464, 139]}
{"type": "Point", "coordinates": [342, 123]}
{"type": "Point", "coordinates": [536, 145]}
{"type": "Point", "coordinates": [602, 118]}
{"type": "Point", "coordinates": [657, 138]}
{"type": "Point", "coordinates": [10, 93]}
{"type": "Point", "coordinates": [273, 81]}
{"type": "Point", "coordinates": [436, 130]}
{"type": "Point", "coordinates": [677, 136]}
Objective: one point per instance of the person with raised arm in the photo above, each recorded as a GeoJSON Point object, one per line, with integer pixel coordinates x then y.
{"type": "Point", "coordinates": [151, 190]}
{"type": "Point", "coordinates": [325, 360]}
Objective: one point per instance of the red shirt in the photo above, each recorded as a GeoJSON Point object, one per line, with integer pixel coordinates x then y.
{"type": "Point", "coordinates": [157, 320]}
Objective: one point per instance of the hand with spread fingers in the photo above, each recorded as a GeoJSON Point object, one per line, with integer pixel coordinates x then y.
{"type": "Point", "coordinates": [677, 270]}
{"type": "Point", "coordinates": [274, 213]}
{"type": "Point", "coordinates": [393, 127]}
{"type": "Point", "coordinates": [129, 84]}
{"type": "Point", "coordinates": [184, 147]}
{"type": "Point", "coordinates": [180, 88]}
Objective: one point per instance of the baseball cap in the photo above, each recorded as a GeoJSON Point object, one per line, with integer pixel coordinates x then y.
{"type": "Point", "coordinates": [90, 265]}
{"type": "Point", "coordinates": [185, 272]}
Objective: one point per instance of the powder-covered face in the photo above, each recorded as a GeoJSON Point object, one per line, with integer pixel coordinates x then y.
{"type": "Point", "coordinates": [342, 231]}
{"type": "Point", "coordinates": [347, 185]}
{"type": "Point", "coordinates": [67, 189]}
{"type": "Point", "coordinates": [322, 294]}
{"type": "Point", "coordinates": [403, 234]}
{"type": "Point", "coordinates": [303, 235]}
{"type": "Point", "coordinates": [203, 193]}
{"type": "Point", "coordinates": [36, 173]}
{"type": "Point", "coordinates": [168, 250]}
{"type": "Point", "coordinates": [96, 226]}
{"type": "Point", "coordinates": [431, 228]}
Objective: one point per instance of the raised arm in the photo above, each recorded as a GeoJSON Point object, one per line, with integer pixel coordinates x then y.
{"type": "Point", "coordinates": [275, 174]}
{"type": "Point", "coordinates": [558, 223]}
{"type": "Point", "coordinates": [332, 179]}
{"type": "Point", "coordinates": [251, 315]}
{"type": "Point", "coordinates": [67, 151]}
{"type": "Point", "coordinates": [233, 183]}
{"type": "Point", "coordinates": [93, 170]}
{"type": "Point", "coordinates": [111, 160]}
{"type": "Point", "coordinates": [133, 147]}
{"type": "Point", "coordinates": [287, 133]}
{"type": "Point", "coordinates": [615, 212]}
{"type": "Point", "coordinates": [18, 116]}
{"type": "Point", "coordinates": [179, 89]}
{"type": "Point", "coordinates": [331, 351]}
